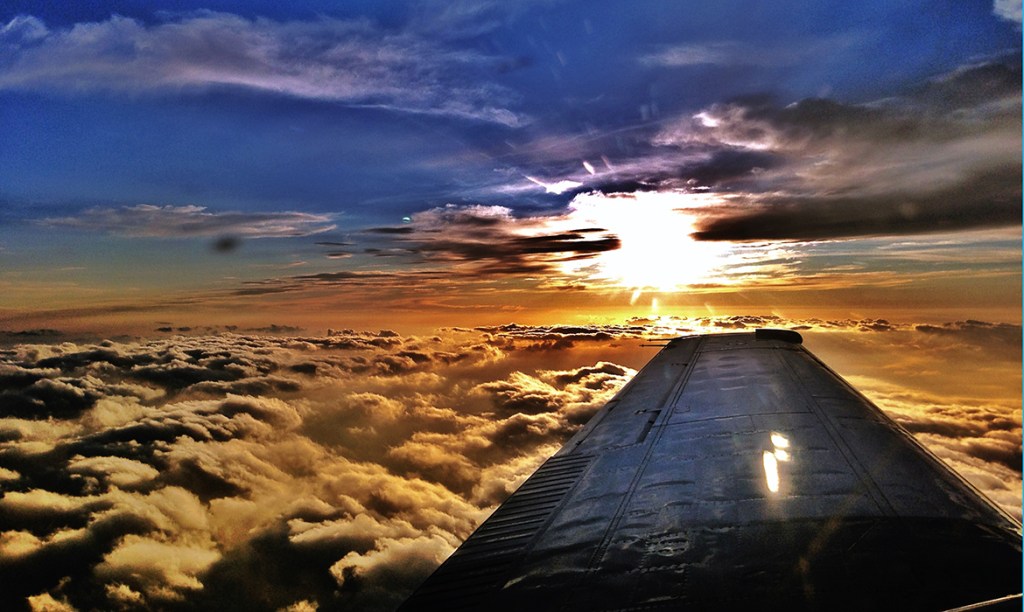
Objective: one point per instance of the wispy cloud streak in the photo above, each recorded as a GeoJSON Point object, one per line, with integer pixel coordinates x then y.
{"type": "Point", "coordinates": [737, 53]}
{"type": "Point", "coordinates": [148, 220]}
{"type": "Point", "coordinates": [350, 61]}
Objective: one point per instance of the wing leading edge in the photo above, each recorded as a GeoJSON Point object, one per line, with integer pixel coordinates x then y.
{"type": "Point", "coordinates": [736, 471]}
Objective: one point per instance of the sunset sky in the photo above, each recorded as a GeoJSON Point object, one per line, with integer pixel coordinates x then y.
{"type": "Point", "coordinates": [292, 293]}
{"type": "Point", "coordinates": [262, 163]}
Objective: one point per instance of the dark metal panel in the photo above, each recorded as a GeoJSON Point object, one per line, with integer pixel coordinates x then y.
{"type": "Point", "coordinates": [481, 565]}
{"type": "Point", "coordinates": [625, 420]}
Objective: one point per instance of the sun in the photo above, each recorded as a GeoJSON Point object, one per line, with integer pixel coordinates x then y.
{"type": "Point", "coordinates": [657, 252]}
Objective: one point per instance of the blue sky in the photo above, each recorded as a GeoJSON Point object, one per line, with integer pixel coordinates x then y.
{"type": "Point", "coordinates": [326, 121]}
{"type": "Point", "coordinates": [564, 69]}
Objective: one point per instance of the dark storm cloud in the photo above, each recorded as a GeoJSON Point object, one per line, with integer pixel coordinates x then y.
{"type": "Point", "coordinates": [516, 250]}
{"type": "Point", "coordinates": [973, 85]}
{"type": "Point", "coordinates": [990, 199]}
{"type": "Point", "coordinates": [489, 240]}
{"type": "Point", "coordinates": [944, 157]}
{"type": "Point", "coordinates": [723, 167]}
{"type": "Point", "coordinates": [974, 98]}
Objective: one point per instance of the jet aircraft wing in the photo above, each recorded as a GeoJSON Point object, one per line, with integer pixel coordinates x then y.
{"type": "Point", "coordinates": [737, 471]}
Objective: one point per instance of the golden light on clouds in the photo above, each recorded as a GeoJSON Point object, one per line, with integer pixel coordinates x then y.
{"type": "Point", "coordinates": [341, 468]}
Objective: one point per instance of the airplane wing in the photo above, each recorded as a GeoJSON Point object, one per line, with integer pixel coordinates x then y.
{"type": "Point", "coordinates": [737, 471]}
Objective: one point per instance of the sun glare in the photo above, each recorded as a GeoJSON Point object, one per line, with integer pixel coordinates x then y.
{"type": "Point", "coordinates": [657, 252]}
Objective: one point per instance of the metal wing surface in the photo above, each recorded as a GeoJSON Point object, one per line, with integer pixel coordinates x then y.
{"type": "Point", "coordinates": [737, 471]}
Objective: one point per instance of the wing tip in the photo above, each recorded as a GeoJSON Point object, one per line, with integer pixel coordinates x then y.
{"type": "Point", "coordinates": [785, 335]}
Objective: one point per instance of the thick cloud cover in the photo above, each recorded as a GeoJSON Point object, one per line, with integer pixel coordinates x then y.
{"type": "Point", "coordinates": [337, 469]}
{"type": "Point", "coordinates": [262, 472]}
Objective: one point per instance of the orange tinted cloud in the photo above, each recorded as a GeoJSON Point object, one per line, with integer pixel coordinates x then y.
{"type": "Point", "coordinates": [340, 469]}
